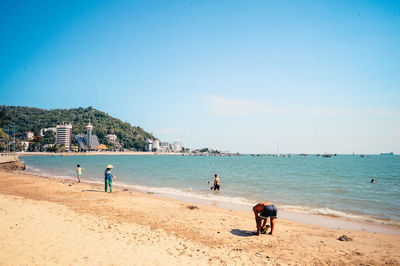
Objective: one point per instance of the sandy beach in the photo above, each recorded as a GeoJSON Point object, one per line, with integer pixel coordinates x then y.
{"type": "Point", "coordinates": [52, 221]}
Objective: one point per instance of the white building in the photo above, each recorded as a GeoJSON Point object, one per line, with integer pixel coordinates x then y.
{"type": "Point", "coordinates": [177, 145]}
{"type": "Point", "coordinates": [149, 144]}
{"type": "Point", "coordinates": [29, 134]}
{"type": "Point", "coordinates": [164, 147]}
{"type": "Point", "coordinates": [25, 145]}
{"type": "Point", "coordinates": [63, 135]}
{"type": "Point", "coordinates": [156, 145]}
{"type": "Point", "coordinates": [112, 138]}
{"type": "Point", "coordinates": [46, 129]}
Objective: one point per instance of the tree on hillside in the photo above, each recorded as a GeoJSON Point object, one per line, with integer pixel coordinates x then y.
{"type": "Point", "coordinates": [3, 135]}
{"type": "Point", "coordinates": [34, 119]}
{"type": "Point", "coordinates": [2, 114]}
{"type": "Point", "coordinates": [49, 137]}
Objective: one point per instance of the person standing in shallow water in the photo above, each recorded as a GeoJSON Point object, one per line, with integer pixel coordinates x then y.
{"type": "Point", "coordinates": [216, 182]}
{"type": "Point", "coordinates": [108, 178]}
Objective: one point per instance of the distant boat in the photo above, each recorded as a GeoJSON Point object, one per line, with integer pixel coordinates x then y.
{"type": "Point", "coordinates": [303, 154]}
{"type": "Point", "coordinates": [387, 153]}
{"type": "Point", "coordinates": [362, 155]}
{"type": "Point", "coordinates": [327, 155]}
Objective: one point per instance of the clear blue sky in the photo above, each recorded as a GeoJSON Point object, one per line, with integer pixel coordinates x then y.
{"type": "Point", "coordinates": [313, 76]}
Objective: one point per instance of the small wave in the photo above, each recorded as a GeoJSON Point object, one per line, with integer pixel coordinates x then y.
{"type": "Point", "coordinates": [341, 214]}
{"type": "Point", "coordinates": [188, 193]}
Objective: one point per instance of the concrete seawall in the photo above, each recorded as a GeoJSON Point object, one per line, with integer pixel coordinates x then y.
{"type": "Point", "coordinates": [8, 158]}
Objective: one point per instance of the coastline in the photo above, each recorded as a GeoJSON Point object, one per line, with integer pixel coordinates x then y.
{"type": "Point", "coordinates": [329, 218]}
{"type": "Point", "coordinates": [209, 232]}
{"type": "Point", "coordinates": [98, 153]}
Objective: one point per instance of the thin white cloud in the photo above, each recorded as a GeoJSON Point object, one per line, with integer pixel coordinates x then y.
{"type": "Point", "coordinates": [326, 111]}
{"type": "Point", "coordinates": [384, 96]}
{"type": "Point", "coordinates": [226, 106]}
{"type": "Point", "coordinates": [229, 106]}
{"type": "Point", "coordinates": [382, 112]}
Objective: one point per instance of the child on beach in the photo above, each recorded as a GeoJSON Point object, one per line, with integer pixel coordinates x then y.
{"type": "Point", "coordinates": [262, 211]}
{"type": "Point", "coordinates": [108, 178]}
{"type": "Point", "coordinates": [79, 172]}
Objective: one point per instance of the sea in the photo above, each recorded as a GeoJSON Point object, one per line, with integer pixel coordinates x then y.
{"type": "Point", "coordinates": [337, 186]}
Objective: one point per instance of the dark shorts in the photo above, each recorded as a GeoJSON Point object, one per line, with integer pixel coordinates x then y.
{"type": "Point", "coordinates": [216, 187]}
{"type": "Point", "coordinates": [269, 211]}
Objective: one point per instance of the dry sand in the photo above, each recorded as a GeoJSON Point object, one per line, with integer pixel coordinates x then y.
{"type": "Point", "coordinates": [51, 221]}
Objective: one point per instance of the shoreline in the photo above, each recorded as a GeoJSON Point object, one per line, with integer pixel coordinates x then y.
{"type": "Point", "coordinates": [173, 153]}
{"type": "Point", "coordinates": [328, 221]}
{"type": "Point", "coordinates": [98, 153]}
{"type": "Point", "coordinates": [138, 224]}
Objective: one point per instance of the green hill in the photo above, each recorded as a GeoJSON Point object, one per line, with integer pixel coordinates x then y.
{"type": "Point", "coordinates": [34, 119]}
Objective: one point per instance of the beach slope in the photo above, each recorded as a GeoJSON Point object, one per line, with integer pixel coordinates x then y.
{"type": "Point", "coordinates": [52, 221]}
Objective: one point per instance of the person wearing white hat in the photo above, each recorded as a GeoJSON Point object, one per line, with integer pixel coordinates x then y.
{"type": "Point", "coordinates": [108, 177]}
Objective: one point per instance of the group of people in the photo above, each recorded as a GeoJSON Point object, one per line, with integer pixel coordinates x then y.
{"type": "Point", "coordinates": [262, 211]}
{"type": "Point", "coordinates": [108, 176]}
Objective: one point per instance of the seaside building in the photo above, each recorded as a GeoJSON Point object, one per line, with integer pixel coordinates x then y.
{"type": "Point", "coordinates": [156, 145]}
{"type": "Point", "coordinates": [113, 140]}
{"type": "Point", "coordinates": [25, 145]}
{"type": "Point", "coordinates": [43, 130]}
{"type": "Point", "coordinates": [164, 147]}
{"type": "Point", "coordinates": [29, 135]}
{"type": "Point", "coordinates": [89, 130]}
{"type": "Point", "coordinates": [177, 145]}
{"type": "Point", "coordinates": [63, 135]}
{"type": "Point", "coordinates": [111, 137]}
{"type": "Point", "coordinates": [87, 142]}
{"type": "Point", "coordinates": [149, 144]}
{"type": "Point", "coordinates": [74, 148]}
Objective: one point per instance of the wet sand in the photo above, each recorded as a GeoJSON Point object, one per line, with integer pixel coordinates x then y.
{"type": "Point", "coordinates": [52, 221]}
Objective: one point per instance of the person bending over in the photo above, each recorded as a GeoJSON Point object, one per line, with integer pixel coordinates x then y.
{"type": "Point", "coordinates": [262, 211]}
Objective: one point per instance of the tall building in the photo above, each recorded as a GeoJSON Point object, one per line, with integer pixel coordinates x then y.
{"type": "Point", "coordinates": [87, 142]}
{"type": "Point", "coordinates": [156, 145]}
{"type": "Point", "coordinates": [63, 135]}
{"type": "Point", "coordinates": [177, 145]}
{"type": "Point", "coordinates": [89, 129]}
{"type": "Point", "coordinates": [149, 145]}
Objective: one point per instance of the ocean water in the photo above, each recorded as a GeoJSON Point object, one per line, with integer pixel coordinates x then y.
{"type": "Point", "coordinates": [336, 186]}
